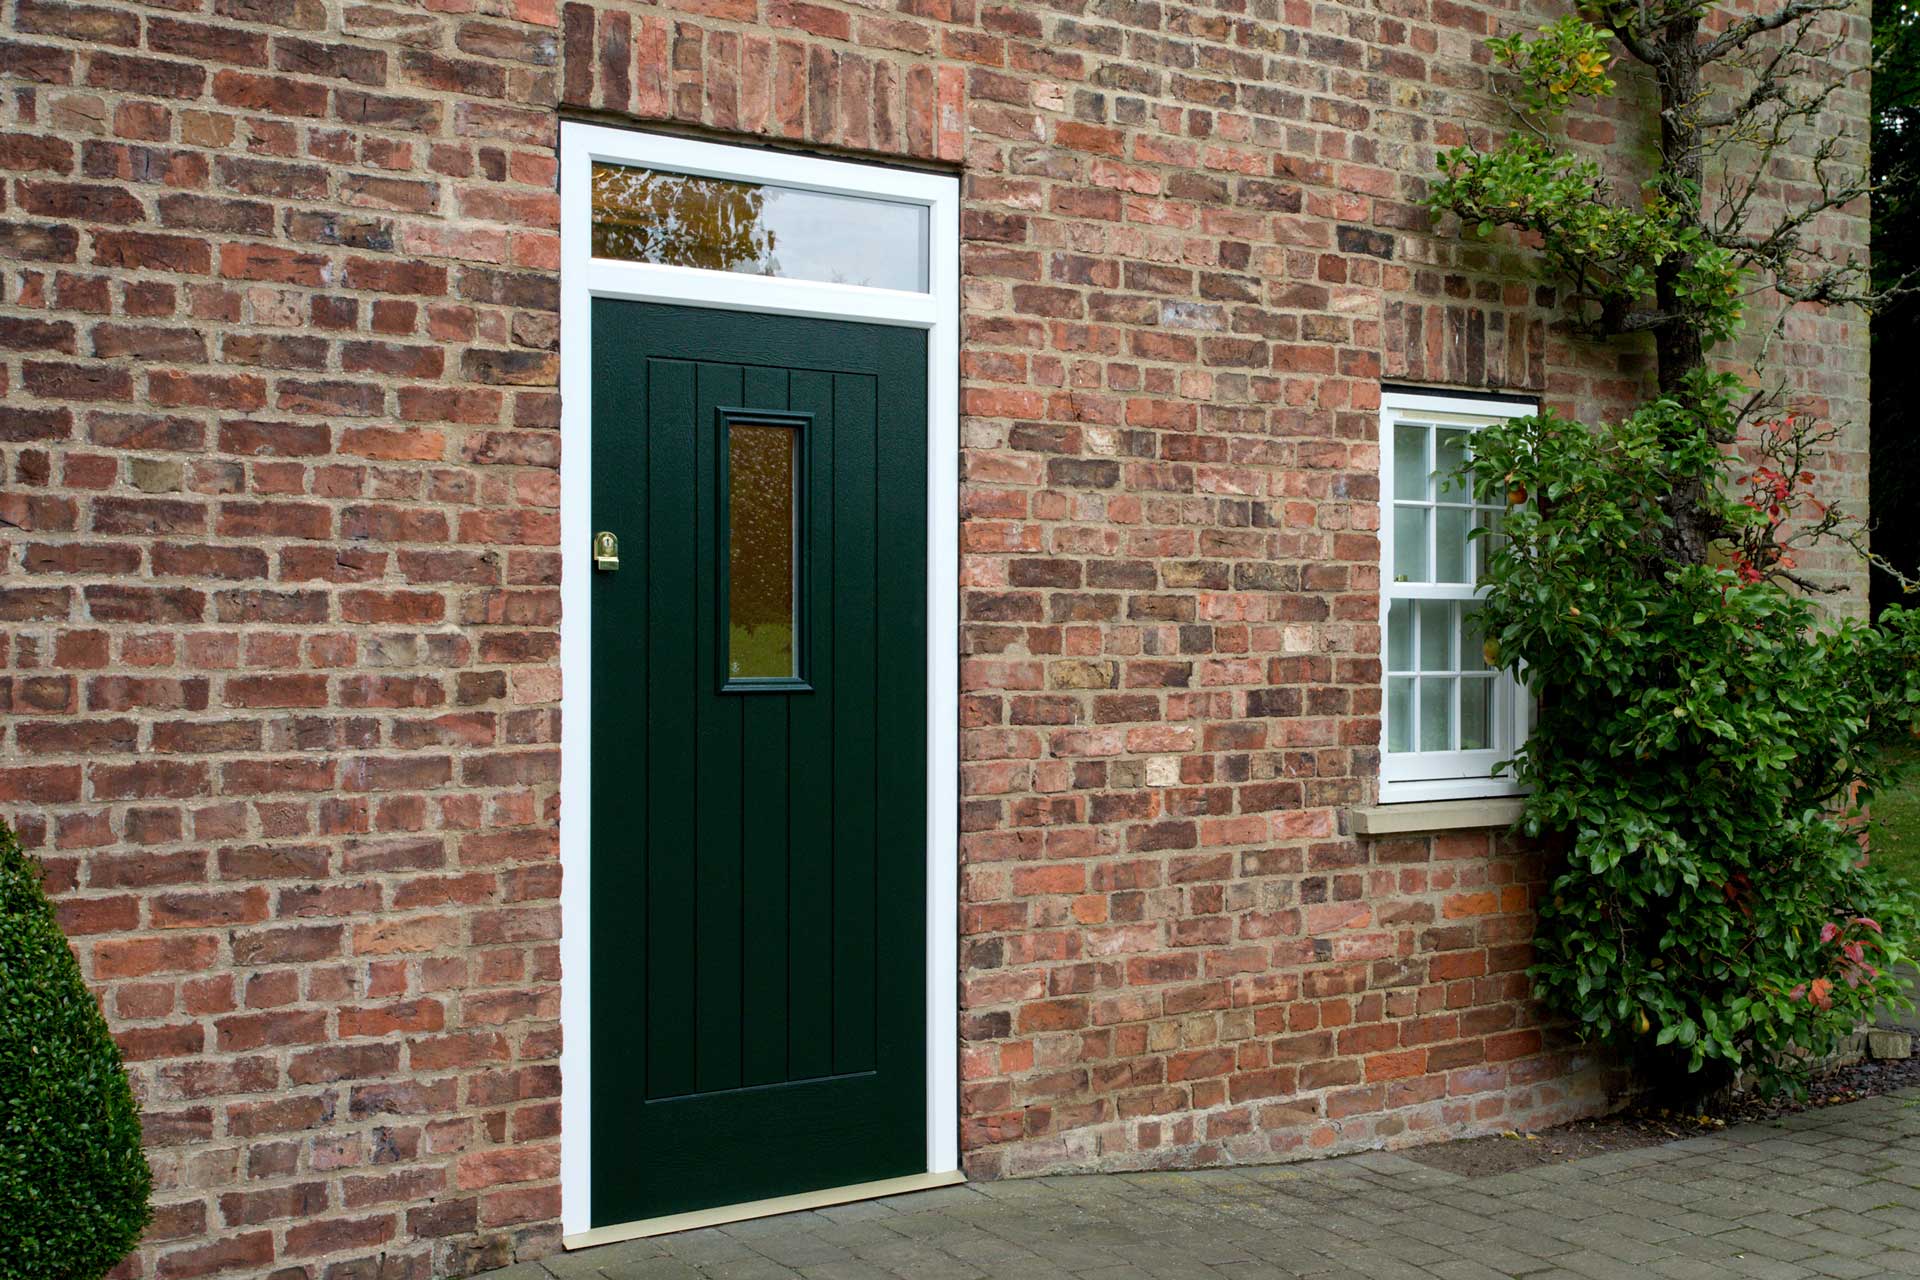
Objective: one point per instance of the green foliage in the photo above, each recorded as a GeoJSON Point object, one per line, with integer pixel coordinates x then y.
{"type": "Point", "coordinates": [73, 1180]}
{"type": "Point", "coordinates": [1563, 61]}
{"type": "Point", "coordinates": [1706, 738]}
{"type": "Point", "coordinates": [1704, 744]}
{"type": "Point", "coordinates": [1896, 819]}
{"type": "Point", "coordinates": [1606, 251]}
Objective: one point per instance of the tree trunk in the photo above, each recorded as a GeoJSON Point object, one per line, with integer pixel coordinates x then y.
{"type": "Point", "coordinates": [1678, 349]}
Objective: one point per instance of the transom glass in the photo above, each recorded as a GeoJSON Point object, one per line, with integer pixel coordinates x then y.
{"type": "Point", "coordinates": [753, 228]}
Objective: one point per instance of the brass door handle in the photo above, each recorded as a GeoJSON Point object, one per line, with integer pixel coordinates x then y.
{"type": "Point", "coordinates": [606, 552]}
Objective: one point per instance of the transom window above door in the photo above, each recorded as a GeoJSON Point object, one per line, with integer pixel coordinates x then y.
{"type": "Point", "coordinates": [1449, 717]}
{"type": "Point", "coordinates": [755, 228]}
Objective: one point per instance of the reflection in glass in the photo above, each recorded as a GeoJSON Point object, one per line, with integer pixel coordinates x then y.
{"type": "Point", "coordinates": [1400, 636]}
{"type": "Point", "coordinates": [1410, 463]}
{"type": "Point", "coordinates": [1494, 522]}
{"type": "Point", "coordinates": [1450, 450]}
{"type": "Point", "coordinates": [760, 550]}
{"type": "Point", "coordinates": [1436, 714]}
{"type": "Point", "coordinates": [1476, 704]}
{"type": "Point", "coordinates": [718, 224]}
{"type": "Point", "coordinates": [1410, 544]}
{"type": "Point", "coordinates": [1473, 637]}
{"type": "Point", "coordinates": [1436, 635]}
{"type": "Point", "coordinates": [1450, 544]}
{"type": "Point", "coordinates": [1400, 713]}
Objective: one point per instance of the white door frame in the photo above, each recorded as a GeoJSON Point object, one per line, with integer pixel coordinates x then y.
{"type": "Point", "coordinates": [584, 278]}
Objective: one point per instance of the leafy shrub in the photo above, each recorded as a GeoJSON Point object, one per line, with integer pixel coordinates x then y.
{"type": "Point", "coordinates": [73, 1181]}
{"type": "Point", "coordinates": [1705, 742]}
{"type": "Point", "coordinates": [1706, 738]}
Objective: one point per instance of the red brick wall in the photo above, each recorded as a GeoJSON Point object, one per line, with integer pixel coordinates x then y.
{"type": "Point", "coordinates": [278, 606]}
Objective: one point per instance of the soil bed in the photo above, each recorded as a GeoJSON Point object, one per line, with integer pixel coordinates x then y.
{"type": "Point", "coordinates": [1627, 1130]}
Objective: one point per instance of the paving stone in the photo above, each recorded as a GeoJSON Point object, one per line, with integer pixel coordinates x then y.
{"type": "Point", "coordinates": [1844, 1268]}
{"type": "Point", "coordinates": [845, 1269]}
{"type": "Point", "coordinates": [651, 1269]}
{"type": "Point", "coordinates": [1831, 1194]}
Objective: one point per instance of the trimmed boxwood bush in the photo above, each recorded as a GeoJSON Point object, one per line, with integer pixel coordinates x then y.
{"type": "Point", "coordinates": [73, 1181]}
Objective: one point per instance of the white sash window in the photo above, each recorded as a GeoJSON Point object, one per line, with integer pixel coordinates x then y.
{"type": "Point", "coordinates": [1448, 715]}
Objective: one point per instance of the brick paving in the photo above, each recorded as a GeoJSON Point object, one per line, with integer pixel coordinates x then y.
{"type": "Point", "coordinates": [1834, 1192]}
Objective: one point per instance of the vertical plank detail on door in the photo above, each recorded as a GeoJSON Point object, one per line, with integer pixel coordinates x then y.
{"type": "Point", "coordinates": [900, 531]}
{"type": "Point", "coordinates": [718, 904]}
{"type": "Point", "coordinates": [810, 784]}
{"type": "Point", "coordinates": [856, 662]}
{"type": "Point", "coordinates": [667, 436]}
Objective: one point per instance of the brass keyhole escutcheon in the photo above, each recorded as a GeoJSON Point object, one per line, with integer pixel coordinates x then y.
{"type": "Point", "coordinates": [606, 551]}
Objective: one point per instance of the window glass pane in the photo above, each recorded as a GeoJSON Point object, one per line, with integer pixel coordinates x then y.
{"type": "Point", "coordinates": [1400, 713]}
{"type": "Point", "coordinates": [1400, 636]}
{"type": "Point", "coordinates": [1476, 707]}
{"type": "Point", "coordinates": [1410, 544]}
{"type": "Point", "coordinates": [1436, 713]}
{"type": "Point", "coordinates": [760, 545]}
{"type": "Point", "coordinates": [1450, 451]}
{"type": "Point", "coordinates": [718, 224]}
{"type": "Point", "coordinates": [1473, 637]}
{"type": "Point", "coordinates": [1410, 463]}
{"type": "Point", "coordinates": [1485, 545]}
{"type": "Point", "coordinates": [1450, 544]}
{"type": "Point", "coordinates": [1436, 635]}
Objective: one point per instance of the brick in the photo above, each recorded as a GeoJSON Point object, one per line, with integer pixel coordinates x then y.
{"type": "Point", "coordinates": [268, 262]}
{"type": "Point", "coordinates": [81, 201]}
{"type": "Point", "coordinates": [251, 1208]}
{"type": "Point", "coordinates": [142, 957]}
{"type": "Point", "coordinates": [152, 252]}
{"type": "Point", "coordinates": [37, 62]}
{"type": "Point", "coordinates": [207, 42]}
{"type": "Point", "coordinates": [228, 1253]}
{"type": "Point", "coordinates": [56, 380]}
{"type": "Point", "coordinates": [276, 691]}
{"type": "Point", "coordinates": [91, 23]}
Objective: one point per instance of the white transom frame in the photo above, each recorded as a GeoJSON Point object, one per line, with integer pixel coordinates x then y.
{"type": "Point", "coordinates": [936, 310]}
{"type": "Point", "coordinates": [1413, 776]}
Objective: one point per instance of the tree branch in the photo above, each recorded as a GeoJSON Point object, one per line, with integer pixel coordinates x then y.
{"type": "Point", "coordinates": [1746, 29]}
{"type": "Point", "coordinates": [1641, 321]}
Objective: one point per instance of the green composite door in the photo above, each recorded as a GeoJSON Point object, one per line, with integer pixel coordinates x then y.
{"type": "Point", "coordinates": [759, 759]}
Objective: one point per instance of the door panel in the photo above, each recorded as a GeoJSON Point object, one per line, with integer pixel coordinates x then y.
{"type": "Point", "coordinates": [758, 853]}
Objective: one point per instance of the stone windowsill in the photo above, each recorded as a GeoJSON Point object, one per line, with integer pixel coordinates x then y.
{"type": "Point", "coordinates": [1434, 815]}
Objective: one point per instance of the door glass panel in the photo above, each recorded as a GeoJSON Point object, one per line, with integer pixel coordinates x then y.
{"type": "Point", "coordinates": [761, 483]}
{"type": "Point", "coordinates": [719, 224]}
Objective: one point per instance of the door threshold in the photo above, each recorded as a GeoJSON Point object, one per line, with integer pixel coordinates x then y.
{"type": "Point", "coordinates": [805, 1200]}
